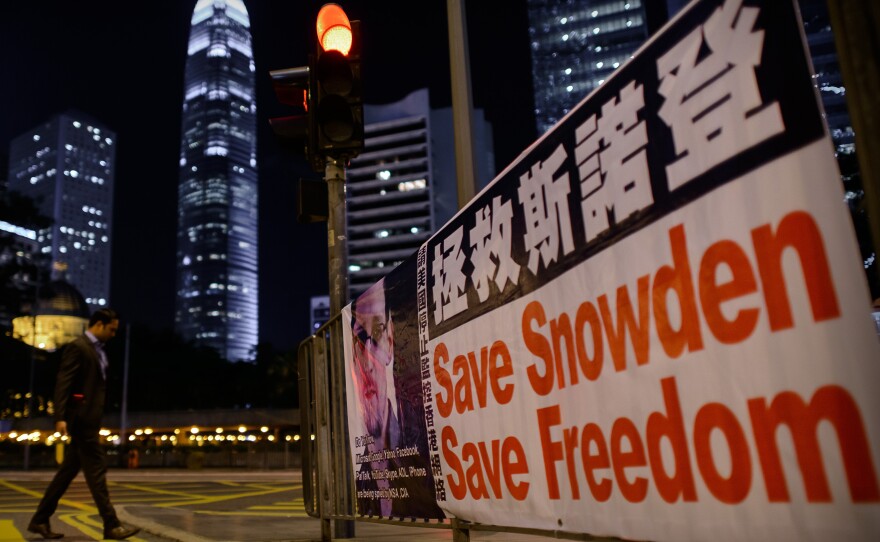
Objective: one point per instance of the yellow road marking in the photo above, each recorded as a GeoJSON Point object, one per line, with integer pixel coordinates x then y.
{"type": "Point", "coordinates": [66, 502]}
{"type": "Point", "coordinates": [89, 526]}
{"type": "Point", "coordinates": [82, 522]}
{"type": "Point", "coordinates": [221, 498]}
{"type": "Point", "coordinates": [8, 532]}
{"type": "Point", "coordinates": [156, 490]}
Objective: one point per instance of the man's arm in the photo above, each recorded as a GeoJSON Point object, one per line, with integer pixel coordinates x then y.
{"type": "Point", "coordinates": [71, 359]}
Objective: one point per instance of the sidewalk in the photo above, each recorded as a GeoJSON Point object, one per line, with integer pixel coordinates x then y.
{"type": "Point", "coordinates": [177, 524]}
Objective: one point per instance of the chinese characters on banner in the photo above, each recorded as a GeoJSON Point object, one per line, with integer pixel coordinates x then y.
{"type": "Point", "coordinates": [652, 325]}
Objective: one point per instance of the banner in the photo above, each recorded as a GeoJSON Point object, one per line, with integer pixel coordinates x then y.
{"type": "Point", "coordinates": [654, 324]}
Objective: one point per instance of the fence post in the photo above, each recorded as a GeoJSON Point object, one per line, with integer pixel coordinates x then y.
{"type": "Point", "coordinates": [460, 531]}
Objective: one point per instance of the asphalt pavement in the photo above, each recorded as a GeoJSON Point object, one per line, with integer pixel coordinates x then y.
{"type": "Point", "coordinates": [207, 505]}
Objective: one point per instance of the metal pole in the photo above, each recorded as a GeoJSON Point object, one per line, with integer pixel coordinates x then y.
{"type": "Point", "coordinates": [465, 167]}
{"type": "Point", "coordinates": [855, 24]}
{"type": "Point", "coordinates": [123, 415]}
{"type": "Point", "coordinates": [337, 239]}
{"type": "Point", "coordinates": [334, 409]}
{"type": "Point", "coordinates": [30, 395]}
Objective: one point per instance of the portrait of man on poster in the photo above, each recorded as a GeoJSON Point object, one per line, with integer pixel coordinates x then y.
{"type": "Point", "coordinates": [392, 478]}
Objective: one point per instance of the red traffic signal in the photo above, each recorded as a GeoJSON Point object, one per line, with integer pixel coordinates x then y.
{"type": "Point", "coordinates": [337, 104]}
{"type": "Point", "coordinates": [334, 29]}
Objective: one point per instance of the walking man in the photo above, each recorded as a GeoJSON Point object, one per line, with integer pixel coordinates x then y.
{"type": "Point", "coordinates": [79, 404]}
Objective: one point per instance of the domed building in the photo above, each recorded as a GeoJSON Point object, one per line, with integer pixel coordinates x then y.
{"type": "Point", "coordinates": [61, 314]}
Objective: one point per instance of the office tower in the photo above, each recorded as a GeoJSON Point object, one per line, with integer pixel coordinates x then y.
{"type": "Point", "coordinates": [68, 165]}
{"type": "Point", "coordinates": [576, 44]}
{"type": "Point", "coordinates": [402, 187]}
{"type": "Point", "coordinates": [217, 192]}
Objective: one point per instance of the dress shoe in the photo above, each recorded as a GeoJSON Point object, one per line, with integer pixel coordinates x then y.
{"type": "Point", "coordinates": [43, 530]}
{"type": "Point", "coordinates": [120, 532]}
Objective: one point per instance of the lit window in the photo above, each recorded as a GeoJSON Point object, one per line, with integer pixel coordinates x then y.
{"type": "Point", "coordinates": [407, 186]}
{"type": "Point", "coordinates": [217, 49]}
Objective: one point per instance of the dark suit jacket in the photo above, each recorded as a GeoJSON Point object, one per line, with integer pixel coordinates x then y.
{"type": "Point", "coordinates": [80, 389]}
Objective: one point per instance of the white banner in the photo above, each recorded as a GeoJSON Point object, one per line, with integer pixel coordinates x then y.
{"type": "Point", "coordinates": [710, 377]}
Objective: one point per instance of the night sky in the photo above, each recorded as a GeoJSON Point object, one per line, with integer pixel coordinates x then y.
{"type": "Point", "coordinates": [123, 64]}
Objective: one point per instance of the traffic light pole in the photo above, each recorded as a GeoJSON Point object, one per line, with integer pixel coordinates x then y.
{"type": "Point", "coordinates": [337, 253]}
{"type": "Point", "coordinates": [337, 240]}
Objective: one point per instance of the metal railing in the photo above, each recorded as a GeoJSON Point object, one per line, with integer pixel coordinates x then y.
{"type": "Point", "coordinates": [328, 482]}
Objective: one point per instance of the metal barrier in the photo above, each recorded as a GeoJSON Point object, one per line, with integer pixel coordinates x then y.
{"type": "Point", "coordinates": [328, 482]}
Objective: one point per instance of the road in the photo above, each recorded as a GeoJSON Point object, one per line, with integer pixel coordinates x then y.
{"type": "Point", "coordinates": [196, 506]}
{"type": "Point", "coordinates": [181, 504]}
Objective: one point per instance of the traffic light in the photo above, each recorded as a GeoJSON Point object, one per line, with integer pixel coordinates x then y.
{"type": "Point", "coordinates": [329, 92]}
{"type": "Point", "coordinates": [293, 86]}
{"type": "Point", "coordinates": [337, 102]}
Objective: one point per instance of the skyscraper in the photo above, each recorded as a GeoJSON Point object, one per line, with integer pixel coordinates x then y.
{"type": "Point", "coordinates": [576, 44]}
{"type": "Point", "coordinates": [68, 165]}
{"type": "Point", "coordinates": [403, 187]}
{"type": "Point", "coordinates": [217, 192]}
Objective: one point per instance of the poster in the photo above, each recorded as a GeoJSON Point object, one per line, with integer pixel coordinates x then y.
{"type": "Point", "coordinates": [654, 324]}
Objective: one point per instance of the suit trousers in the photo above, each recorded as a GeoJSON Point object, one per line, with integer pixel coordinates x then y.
{"type": "Point", "coordinates": [83, 452]}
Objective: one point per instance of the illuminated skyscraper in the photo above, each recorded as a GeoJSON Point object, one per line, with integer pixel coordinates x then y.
{"type": "Point", "coordinates": [217, 192]}
{"type": "Point", "coordinates": [576, 44]}
{"type": "Point", "coordinates": [68, 164]}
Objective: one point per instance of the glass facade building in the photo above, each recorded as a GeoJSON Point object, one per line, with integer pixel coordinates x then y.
{"type": "Point", "coordinates": [68, 165]}
{"type": "Point", "coordinates": [216, 302]}
{"type": "Point", "coordinates": [576, 44]}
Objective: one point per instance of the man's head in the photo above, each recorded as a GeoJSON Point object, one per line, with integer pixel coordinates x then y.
{"type": "Point", "coordinates": [373, 351]}
{"type": "Point", "coordinates": [103, 324]}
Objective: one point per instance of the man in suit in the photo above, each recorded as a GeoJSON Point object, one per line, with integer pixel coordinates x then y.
{"type": "Point", "coordinates": [80, 390]}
